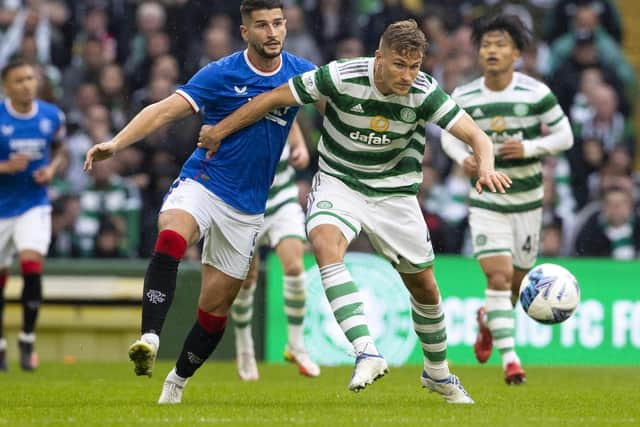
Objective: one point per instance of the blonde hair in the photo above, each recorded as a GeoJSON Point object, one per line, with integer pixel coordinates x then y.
{"type": "Point", "coordinates": [405, 38]}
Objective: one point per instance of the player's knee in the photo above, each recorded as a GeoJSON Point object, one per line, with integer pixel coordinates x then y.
{"type": "Point", "coordinates": [293, 267]}
{"type": "Point", "coordinates": [325, 247]}
{"type": "Point", "coordinates": [30, 266]}
{"type": "Point", "coordinates": [171, 243]}
{"type": "Point", "coordinates": [210, 322]}
{"type": "Point", "coordinates": [499, 280]}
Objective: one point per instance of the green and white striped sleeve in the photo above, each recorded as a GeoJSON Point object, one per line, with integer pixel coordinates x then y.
{"type": "Point", "coordinates": [311, 86]}
{"type": "Point", "coordinates": [439, 108]}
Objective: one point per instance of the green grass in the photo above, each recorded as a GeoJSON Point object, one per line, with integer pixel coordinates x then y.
{"type": "Point", "coordinates": [93, 394]}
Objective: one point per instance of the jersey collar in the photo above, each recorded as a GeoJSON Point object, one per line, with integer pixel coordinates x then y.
{"type": "Point", "coordinates": [15, 114]}
{"type": "Point", "coordinates": [257, 71]}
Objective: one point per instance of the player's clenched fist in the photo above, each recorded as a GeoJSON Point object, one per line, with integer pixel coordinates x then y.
{"type": "Point", "coordinates": [99, 152]}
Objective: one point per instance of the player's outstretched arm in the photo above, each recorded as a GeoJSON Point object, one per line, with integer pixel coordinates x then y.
{"type": "Point", "coordinates": [468, 131]}
{"type": "Point", "coordinates": [147, 121]}
{"type": "Point", "coordinates": [211, 136]}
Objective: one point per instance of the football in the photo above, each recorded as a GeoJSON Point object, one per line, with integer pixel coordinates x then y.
{"type": "Point", "coordinates": [549, 293]}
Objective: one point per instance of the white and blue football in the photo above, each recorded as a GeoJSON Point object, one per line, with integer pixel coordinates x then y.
{"type": "Point", "coordinates": [549, 293]}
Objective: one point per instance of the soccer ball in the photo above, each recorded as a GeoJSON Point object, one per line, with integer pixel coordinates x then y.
{"type": "Point", "coordinates": [549, 294]}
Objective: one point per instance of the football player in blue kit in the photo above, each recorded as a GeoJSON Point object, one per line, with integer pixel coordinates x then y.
{"type": "Point", "coordinates": [221, 199]}
{"type": "Point", "coordinates": [31, 133]}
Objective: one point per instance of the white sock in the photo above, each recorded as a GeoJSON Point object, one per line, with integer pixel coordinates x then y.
{"type": "Point", "coordinates": [244, 340]}
{"type": "Point", "coordinates": [175, 378]}
{"type": "Point", "coordinates": [242, 315]}
{"type": "Point", "coordinates": [509, 357]}
{"type": "Point", "coordinates": [24, 337]}
{"type": "Point", "coordinates": [151, 339]}
{"type": "Point", "coordinates": [365, 345]}
{"type": "Point", "coordinates": [294, 296]}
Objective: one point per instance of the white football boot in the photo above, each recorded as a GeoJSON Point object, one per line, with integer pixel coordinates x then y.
{"type": "Point", "coordinates": [172, 388]}
{"type": "Point", "coordinates": [300, 357]}
{"type": "Point", "coordinates": [143, 355]}
{"type": "Point", "coordinates": [449, 388]}
{"type": "Point", "coordinates": [368, 368]}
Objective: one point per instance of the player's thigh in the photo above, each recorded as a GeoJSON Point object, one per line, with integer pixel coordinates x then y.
{"type": "Point", "coordinates": [7, 247]}
{"type": "Point", "coordinates": [397, 230]}
{"type": "Point", "coordinates": [218, 290]}
{"type": "Point", "coordinates": [32, 230]}
{"type": "Point", "coordinates": [526, 227]}
{"type": "Point", "coordinates": [230, 241]}
{"type": "Point", "coordinates": [331, 202]}
{"type": "Point", "coordinates": [185, 210]}
{"type": "Point", "coordinates": [491, 233]}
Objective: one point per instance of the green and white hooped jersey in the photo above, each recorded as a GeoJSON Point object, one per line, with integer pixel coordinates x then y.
{"type": "Point", "coordinates": [283, 189]}
{"type": "Point", "coordinates": [518, 112]}
{"type": "Point", "coordinates": [372, 142]}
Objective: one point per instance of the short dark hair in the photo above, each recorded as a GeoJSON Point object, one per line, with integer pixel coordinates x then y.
{"type": "Point", "coordinates": [510, 24]}
{"type": "Point", "coordinates": [405, 38]}
{"type": "Point", "coordinates": [248, 6]}
{"type": "Point", "coordinates": [13, 63]}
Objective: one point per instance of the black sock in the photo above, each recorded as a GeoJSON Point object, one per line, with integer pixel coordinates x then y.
{"type": "Point", "coordinates": [31, 299]}
{"type": "Point", "coordinates": [197, 348]}
{"type": "Point", "coordinates": [159, 287]}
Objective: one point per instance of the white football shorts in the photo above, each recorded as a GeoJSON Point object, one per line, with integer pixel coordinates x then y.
{"type": "Point", "coordinates": [516, 234]}
{"type": "Point", "coordinates": [395, 225]}
{"type": "Point", "coordinates": [286, 222]}
{"type": "Point", "coordinates": [229, 235]}
{"type": "Point", "coordinates": [28, 231]}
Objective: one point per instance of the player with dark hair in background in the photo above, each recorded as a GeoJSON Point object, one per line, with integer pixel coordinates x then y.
{"type": "Point", "coordinates": [511, 108]}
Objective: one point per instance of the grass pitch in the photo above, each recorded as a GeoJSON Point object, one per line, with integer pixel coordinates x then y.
{"type": "Point", "coordinates": [108, 394]}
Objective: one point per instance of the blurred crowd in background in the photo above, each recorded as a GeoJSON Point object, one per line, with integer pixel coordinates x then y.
{"type": "Point", "coordinates": [102, 61]}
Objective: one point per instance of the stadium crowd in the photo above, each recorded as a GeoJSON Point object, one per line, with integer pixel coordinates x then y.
{"type": "Point", "coordinates": [102, 61]}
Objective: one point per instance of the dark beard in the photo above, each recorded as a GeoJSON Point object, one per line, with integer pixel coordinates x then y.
{"type": "Point", "coordinates": [264, 54]}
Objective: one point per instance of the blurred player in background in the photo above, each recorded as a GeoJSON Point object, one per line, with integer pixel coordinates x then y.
{"type": "Point", "coordinates": [283, 230]}
{"type": "Point", "coordinates": [31, 133]}
{"type": "Point", "coordinates": [512, 109]}
{"type": "Point", "coordinates": [371, 154]}
{"type": "Point", "coordinates": [221, 199]}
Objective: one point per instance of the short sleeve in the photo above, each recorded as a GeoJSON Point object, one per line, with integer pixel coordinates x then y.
{"type": "Point", "coordinates": [439, 108]}
{"type": "Point", "coordinates": [310, 86]}
{"type": "Point", "coordinates": [201, 88]}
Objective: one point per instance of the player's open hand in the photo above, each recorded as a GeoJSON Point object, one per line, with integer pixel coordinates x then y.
{"type": "Point", "coordinates": [44, 175]}
{"type": "Point", "coordinates": [512, 149]}
{"type": "Point", "coordinates": [209, 140]}
{"type": "Point", "coordinates": [493, 180]}
{"type": "Point", "coordinates": [17, 162]}
{"type": "Point", "coordinates": [99, 152]}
